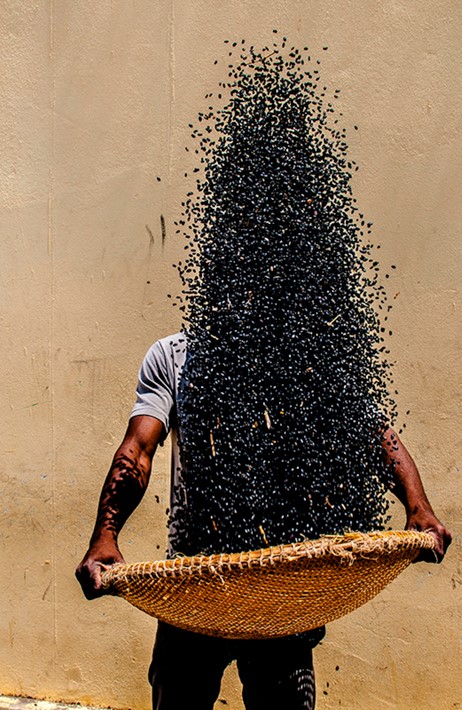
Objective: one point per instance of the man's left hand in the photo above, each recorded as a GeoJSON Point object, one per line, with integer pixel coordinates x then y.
{"type": "Point", "coordinates": [426, 521]}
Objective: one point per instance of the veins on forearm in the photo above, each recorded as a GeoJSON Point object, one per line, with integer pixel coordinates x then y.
{"type": "Point", "coordinates": [123, 489]}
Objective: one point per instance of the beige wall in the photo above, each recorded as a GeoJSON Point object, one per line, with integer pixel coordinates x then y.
{"type": "Point", "coordinates": [95, 98]}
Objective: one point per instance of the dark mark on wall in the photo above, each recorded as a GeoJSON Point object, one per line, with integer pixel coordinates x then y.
{"type": "Point", "coordinates": [46, 591]}
{"type": "Point", "coordinates": [162, 227]}
{"type": "Point", "coordinates": [151, 235]}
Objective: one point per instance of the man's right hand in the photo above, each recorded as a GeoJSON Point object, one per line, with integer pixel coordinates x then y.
{"type": "Point", "coordinates": [123, 489]}
{"type": "Point", "coordinates": [100, 556]}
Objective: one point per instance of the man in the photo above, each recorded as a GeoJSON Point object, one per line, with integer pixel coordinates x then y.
{"type": "Point", "coordinates": [187, 668]}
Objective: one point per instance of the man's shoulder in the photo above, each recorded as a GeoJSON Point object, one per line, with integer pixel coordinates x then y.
{"type": "Point", "coordinates": [169, 351]}
{"type": "Point", "coordinates": [175, 341]}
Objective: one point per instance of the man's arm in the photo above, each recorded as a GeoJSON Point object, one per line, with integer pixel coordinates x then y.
{"type": "Point", "coordinates": [408, 488]}
{"type": "Point", "coordinates": [122, 491]}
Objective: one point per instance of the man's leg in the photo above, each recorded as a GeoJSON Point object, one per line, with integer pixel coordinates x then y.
{"type": "Point", "coordinates": [277, 673]}
{"type": "Point", "coordinates": [186, 669]}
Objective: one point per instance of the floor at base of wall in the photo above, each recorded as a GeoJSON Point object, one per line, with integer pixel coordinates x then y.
{"type": "Point", "coordinates": [7, 702]}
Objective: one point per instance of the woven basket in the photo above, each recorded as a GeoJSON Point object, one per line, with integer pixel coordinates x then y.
{"type": "Point", "coordinates": [268, 593]}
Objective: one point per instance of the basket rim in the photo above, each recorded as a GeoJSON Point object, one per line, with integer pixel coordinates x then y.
{"type": "Point", "coordinates": [339, 548]}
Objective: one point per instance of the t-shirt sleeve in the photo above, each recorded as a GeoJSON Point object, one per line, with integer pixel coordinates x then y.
{"type": "Point", "coordinates": [155, 389]}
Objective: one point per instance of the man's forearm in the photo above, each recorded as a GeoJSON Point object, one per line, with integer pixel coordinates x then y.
{"type": "Point", "coordinates": [408, 487]}
{"type": "Point", "coordinates": [407, 484]}
{"type": "Point", "coordinates": [122, 491]}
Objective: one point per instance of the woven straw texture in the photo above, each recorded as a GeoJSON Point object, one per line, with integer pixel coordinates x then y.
{"type": "Point", "coordinates": [271, 592]}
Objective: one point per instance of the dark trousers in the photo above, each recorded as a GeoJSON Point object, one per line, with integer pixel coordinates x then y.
{"type": "Point", "coordinates": [276, 674]}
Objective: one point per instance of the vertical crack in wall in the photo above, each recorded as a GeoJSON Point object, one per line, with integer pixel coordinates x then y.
{"type": "Point", "coordinates": [51, 326]}
{"type": "Point", "coordinates": [171, 80]}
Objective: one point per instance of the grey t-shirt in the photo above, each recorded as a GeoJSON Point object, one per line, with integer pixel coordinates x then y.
{"type": "Point", "coordinates": [157, 394]}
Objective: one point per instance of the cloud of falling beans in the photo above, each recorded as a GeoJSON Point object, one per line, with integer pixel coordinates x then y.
{"type": "Point", "coordinates": [286, 391]}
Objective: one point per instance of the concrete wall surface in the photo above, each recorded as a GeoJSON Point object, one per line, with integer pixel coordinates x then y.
{"type": "Point", "coordinates": [96, 98]}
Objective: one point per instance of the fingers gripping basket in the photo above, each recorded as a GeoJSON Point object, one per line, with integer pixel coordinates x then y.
{"type": "Point", "coordinates": [272, 592]}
